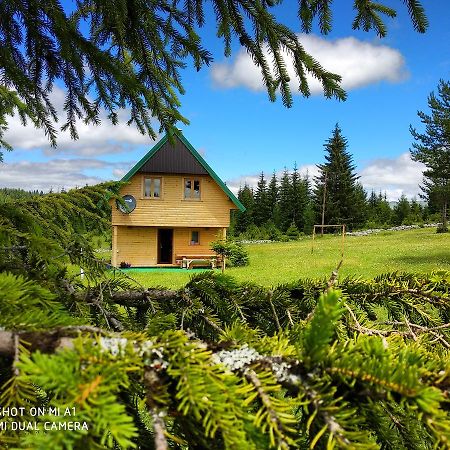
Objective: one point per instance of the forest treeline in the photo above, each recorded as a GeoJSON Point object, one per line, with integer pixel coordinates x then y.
{"type": "Point", "coordinates": [283, 207]}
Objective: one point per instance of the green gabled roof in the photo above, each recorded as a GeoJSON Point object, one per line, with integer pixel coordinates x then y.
{"type": "Point", "coordinates": [196, 155]}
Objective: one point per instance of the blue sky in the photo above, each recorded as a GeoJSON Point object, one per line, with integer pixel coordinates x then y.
{"type": "Point", "coordinates": [241, 133]}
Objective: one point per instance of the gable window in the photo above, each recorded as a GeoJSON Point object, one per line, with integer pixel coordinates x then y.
{"type": "Point", "coordinates": [191, 189]}
{"type": "Point", "coordinates": [152, 187]}
{"type": "Point", "coordinates": [195, 238]}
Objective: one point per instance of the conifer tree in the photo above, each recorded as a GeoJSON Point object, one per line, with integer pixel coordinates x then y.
{"type": "Point", "coordinates": [384, 210]}
{"type": "Point", "coordinates": [433, 149]}
{"type": "Point", "coordinates": [273, 198]}
{"type": "Point", "coordinates": [416, 214]}
{"type": "Point", "coordinates": [285, 201]}
{"type": "Point", "coordinates": [299, 198]}
{"type": "Point", "coordinates": [402, 210]}
{"type": "Point", "coordinates": [245, 218]}
{"type": "Point", "coordinates": [345, 199]}
{"type": "Point", "coordinates": [308, 214]}
{"type": "Point", "coordinates": [261, 206]}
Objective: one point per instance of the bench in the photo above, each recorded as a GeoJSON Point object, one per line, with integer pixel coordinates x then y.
{"type": "Point", "coordinates": [188, 261]}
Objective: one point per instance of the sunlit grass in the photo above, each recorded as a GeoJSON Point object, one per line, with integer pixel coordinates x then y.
{"type": "Point", "coordinates": [420, 250]}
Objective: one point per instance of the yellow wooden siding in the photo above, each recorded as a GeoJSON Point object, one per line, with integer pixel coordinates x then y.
{"type": "Point", "coordinates": [171, 210]}
{"type": "Point", "coordinates": [138, 245]}
{"type": "Point", "coordinates": [182, 238]}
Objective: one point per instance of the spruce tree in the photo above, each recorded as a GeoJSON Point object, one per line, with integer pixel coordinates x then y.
{"type": "Point", "coordinates": [273, 198]}
{"type": "Point", "coordinates": [285, 201]}
{"type": "Point", "coordinates": [299, 198]}
{"type": "Point", "coordinates": [245, 218]}
{"type": "Point", "coordinates": [262, 209]}
{"type": "Point", "coordinates": [402, 210]}
{"type": "Point", "coordinates": [345, 198]}
{"type": "Point", "coordinates": [308, 213]}
{"type": "Point", "coordinates": [433, 149]}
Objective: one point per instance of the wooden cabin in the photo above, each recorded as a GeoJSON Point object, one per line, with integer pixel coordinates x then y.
{"type": "Point", "coordinates": [176, 206]}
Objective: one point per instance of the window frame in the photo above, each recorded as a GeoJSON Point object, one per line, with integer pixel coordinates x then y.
{"type": "Point", "coordinates": [152, 187]}
{"type": "Point", "coordinates": [191, 241]}
{"type": "Point", "coordinates": [192, 180]}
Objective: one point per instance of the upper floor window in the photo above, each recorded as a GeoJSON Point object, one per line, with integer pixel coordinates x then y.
{"type": "Point", "coordinates": [152, 187]}
{"type": "Point", "coordinates": [191, 189]}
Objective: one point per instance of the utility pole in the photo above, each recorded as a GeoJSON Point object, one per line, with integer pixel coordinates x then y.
{"type": "Point", "coordinates": [323, 203]}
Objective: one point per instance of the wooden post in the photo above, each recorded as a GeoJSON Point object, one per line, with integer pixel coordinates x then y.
{"type": "Point", "coordinates": [323, 202]}
{"type": "Point", "coordinates": [313, 236]}
{"type": "Point", "coordinates": [343, 239]}
{"type": "Point", "coordinates": [224, 236]}
{"type": "Point", "coordinates": [114, 247]}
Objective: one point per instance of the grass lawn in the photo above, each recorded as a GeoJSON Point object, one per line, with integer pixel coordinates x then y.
{"type": "Point", "coordinates": [420, 250]}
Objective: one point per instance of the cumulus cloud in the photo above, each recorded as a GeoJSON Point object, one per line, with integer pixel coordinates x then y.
{"type": "Point", "coordinates": [360, 63]}
{"type": "Point", "coordinates": [56, 174]}
{"type": "Point", "coordinates": [93, 140]}
{"type": "Point", "coordinates": [393, 176]}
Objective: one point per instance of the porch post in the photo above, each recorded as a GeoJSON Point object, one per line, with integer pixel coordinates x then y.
{"type": "Point", "coordinates": [114, 246]}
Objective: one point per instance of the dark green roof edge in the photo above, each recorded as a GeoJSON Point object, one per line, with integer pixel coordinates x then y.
{"type": "Point", "coordinates": [197, 156]}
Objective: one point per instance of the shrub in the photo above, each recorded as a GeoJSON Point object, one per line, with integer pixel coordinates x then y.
{"type": "Point", "coordinates": [237, 255]}
{"type": "Point", "coordinates": [292, 232]}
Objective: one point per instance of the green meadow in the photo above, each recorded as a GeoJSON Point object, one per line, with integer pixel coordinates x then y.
{"type": "Point", "coordinates": [420, 250]}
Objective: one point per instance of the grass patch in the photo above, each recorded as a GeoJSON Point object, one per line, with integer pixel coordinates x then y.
{"type": "Point", "coordinates": [418, 250]}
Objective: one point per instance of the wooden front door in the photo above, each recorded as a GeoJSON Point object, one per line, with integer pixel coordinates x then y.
{"type": "Point", "coordinates": [165, 245]}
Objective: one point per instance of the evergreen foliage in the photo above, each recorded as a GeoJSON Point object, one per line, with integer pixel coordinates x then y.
{"type": "Point", "coordinates": [215, 365]}
{"type": "Point", "coordinates": [374, 210]}
{"type": "Point", "coordinates": [272, 198]}
{"type": "Point", "coordinates": [115, 54]}
{"type": "Point", "coordinates": [300, 196]}
{"type": "Point", "coordinates": [433, 149]}
{"type": "Point", "coordinates": [292, 232]}
{"type": "Point", "coordinates": [345, 201]}
{"type": "Point", "coordinates": [237, 255]}
{"type": "Point", "coordinates": [245, 219]}
{"type": "Point", "coordinates": [262, 208]}
{"type": "Point", "coordinates": [285, 202]}
{"type": "Point", "coordinates": [402, 211]}
{"type": "Point", "coordinates": [379, 213]}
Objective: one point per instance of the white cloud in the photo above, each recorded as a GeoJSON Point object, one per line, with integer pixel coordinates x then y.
{"type": "Point", "coordinates": [93, 140]}
{"type": "Point", "coordinates": [393, 176]}
{"type": "Point", "coordinates": [360, 63]}
{"type": "Point", "coordinates": [55, 174]}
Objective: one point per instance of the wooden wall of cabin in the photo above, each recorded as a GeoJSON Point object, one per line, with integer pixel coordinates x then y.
{"type": "Point", "coordinates": [138, 246]}
{"type": "Point", "coordinates": [135, 245]}
{"type": "Point", "coordinates": [182, 237]}
{"type": "Point", "coordinates": [171, 209]}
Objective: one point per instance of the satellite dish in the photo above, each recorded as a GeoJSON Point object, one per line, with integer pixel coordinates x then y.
{"type": "Point", "coordinates": [130, 203]}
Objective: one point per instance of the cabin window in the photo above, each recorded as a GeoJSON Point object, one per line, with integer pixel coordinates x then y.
{"type": "Point", "coordinates": [195, 238]}
{"type": "Point", "coordinates": [152, 187]}
{"type": "Point", "coordinates": [191, 189]}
